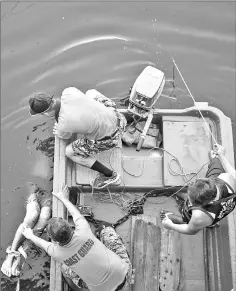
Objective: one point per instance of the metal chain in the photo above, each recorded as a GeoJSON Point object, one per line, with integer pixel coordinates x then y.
{"type": "Point", "coordinates": [135, 207]}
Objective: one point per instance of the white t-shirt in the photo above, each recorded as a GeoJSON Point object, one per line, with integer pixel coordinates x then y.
{"type": "Point", "coordinates": [83, 115]}
{"type": "Point", "coordinates": [100, 268]}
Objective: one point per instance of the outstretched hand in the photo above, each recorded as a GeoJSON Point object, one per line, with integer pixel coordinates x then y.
{"type": "Point", "coordinates": [167, 222]}
{"type": "Point", "coordinates": [64, 194]}
{"type": "Point", "coordinates": [219, 149]}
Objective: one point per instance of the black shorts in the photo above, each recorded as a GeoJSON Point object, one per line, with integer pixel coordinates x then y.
{"type": "Point", "coordinates": [215, 168]}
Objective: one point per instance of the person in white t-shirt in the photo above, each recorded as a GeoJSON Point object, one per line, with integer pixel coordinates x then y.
{"type": "Point", "coordinates": [87, 262]}
{"type": "Point", "coordinates": [94, 117]}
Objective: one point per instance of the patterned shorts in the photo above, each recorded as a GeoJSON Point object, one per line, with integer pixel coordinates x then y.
{"type": "Point", "coordinates": [85, 147]}
{"type": "Point", "coordinates": [112, 241]}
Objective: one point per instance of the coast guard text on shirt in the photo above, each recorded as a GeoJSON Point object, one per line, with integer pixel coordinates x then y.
{"type": "Point", "coordinates": [80, 253]}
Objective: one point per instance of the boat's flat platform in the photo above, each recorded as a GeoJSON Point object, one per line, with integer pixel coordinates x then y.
{"type": "Point", "coordinates": [205, 263]}
{"type": "Point", "coordinates": [186, 144]}
{"type": "Point", "coordinates": [192, 257]}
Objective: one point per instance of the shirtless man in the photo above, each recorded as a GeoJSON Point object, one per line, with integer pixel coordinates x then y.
{"type": "Point", "coordinates": [38, 212]}
{"type": "Point", "coordinates": [203, 206]}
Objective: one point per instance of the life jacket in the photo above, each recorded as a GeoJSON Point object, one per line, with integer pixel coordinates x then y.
{"type": "Point", "coordinates": [221, 207]}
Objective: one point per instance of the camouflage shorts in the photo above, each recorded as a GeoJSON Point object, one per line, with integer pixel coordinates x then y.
{"type": "Point", "coordinates": [112, 241]}
{"type": "Point", "coordinates": [85, 147]}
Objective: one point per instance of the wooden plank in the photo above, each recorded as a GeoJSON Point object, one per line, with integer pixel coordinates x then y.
{"type": "Point", "coordinates": [152, 259]}
{"type": "Point", "coordinates": [69, 183]}
{"type": "Point", "coordinates": [170, 261]}
{"type": "Point", "coordinates": [61, 208]}
{"type": "Point", "coordinates": [58, 208]}
{"type": "Point", "coordinates": [195, 285]}
{"type": "Point", "coordinates": [138, 257]}
{"type": "Point", "coordinates": [145, 248]}
{"type": "Point", "coordinates": [55, 174]}
{"type": "Point", "coordinates": [53, 276]}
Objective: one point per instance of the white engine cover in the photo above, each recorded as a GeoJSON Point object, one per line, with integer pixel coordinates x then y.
{"type": "Point", "coordinates": [150, 82]}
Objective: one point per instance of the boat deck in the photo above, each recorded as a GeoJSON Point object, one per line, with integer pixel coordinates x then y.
{"type": "Point", "coordinates": [205, 258]}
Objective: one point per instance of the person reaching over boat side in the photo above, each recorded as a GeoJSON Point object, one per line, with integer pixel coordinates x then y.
{"type": "Point", "coordinates": [86, 262]}
{"type": "Point", "coordinates": [38, 212]}
{"type": "Point", "coordinates": [208, 200]}
{"type": "Point", "coordinates": [94, 117]}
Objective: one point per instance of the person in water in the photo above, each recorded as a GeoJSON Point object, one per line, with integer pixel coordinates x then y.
{"type": "Point", "coordinates": [38, 212]}
{"type": "Point", "coordinates": [86, 262]}
{"type": "Point", "coordinates": [94, 117]}
{"type": "Point", "coordinates": [208, 200]}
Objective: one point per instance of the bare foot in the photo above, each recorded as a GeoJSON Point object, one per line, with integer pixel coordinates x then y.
{"type": "Point", "coordinates": [7, 265]}
{"type": "Point", "coordinates": [18, 262]}
{"type": "Point", "coordinates": [15, 269]}
{"type": "Point", "coordinates": [14, 262]}
{"type": "Point", "coordinates": [33, 188]}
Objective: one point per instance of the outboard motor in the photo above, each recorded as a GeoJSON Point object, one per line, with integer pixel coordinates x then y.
{"type": "Point", "coordinates": [145, 92]}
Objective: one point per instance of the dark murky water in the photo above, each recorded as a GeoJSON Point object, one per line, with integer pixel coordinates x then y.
{"type": "Point", "coordinates": [47, 46]}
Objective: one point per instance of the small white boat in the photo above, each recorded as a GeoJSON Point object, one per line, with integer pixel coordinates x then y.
{"type": "Point", "coordinates": [163, 260]}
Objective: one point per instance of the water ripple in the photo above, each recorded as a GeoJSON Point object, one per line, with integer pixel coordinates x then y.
{"type": "Point", "coordinates": [42, 76]}
{"type": "Point", "coordinates": [18, 110]}
{"type": "Point", "coordinates": [226, 69]}
{"type": "Point", "coordinates": [22, 123]}
{"type": "Point", "coordinates": [10, 124]}
{"type": "Point", "coordinates": [82, 42]}
{"type": "Point", "coordinates": [196, 33]}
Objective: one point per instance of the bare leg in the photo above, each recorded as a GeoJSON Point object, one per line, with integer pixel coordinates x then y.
{"type": "Point", "coordinates": [32, 214]}
{"type": "Point", "coordinates": [45, 215]}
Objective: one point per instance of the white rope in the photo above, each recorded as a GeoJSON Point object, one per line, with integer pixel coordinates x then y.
{"type": "Point", "coordinates": [191, 95]}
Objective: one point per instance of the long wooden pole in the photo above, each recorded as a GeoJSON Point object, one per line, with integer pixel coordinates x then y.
{"type": "Point", "coordinates": [59, 178]}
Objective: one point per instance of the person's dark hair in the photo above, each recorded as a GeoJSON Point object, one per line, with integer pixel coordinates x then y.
{"type": "Point", "coordinates": [40, 103]}
{"type": "Point", "coordinates": [59, 230]}
{"type": "Point", "coordinates": [202, 192]}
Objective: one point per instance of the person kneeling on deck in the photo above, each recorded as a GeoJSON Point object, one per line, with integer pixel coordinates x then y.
{"type": "Point", "coordinates": [208, 200]}
{"type": "Point", "coordinates": [98, 265]}
{"type": "Point", "coordinates": [92, 115]}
